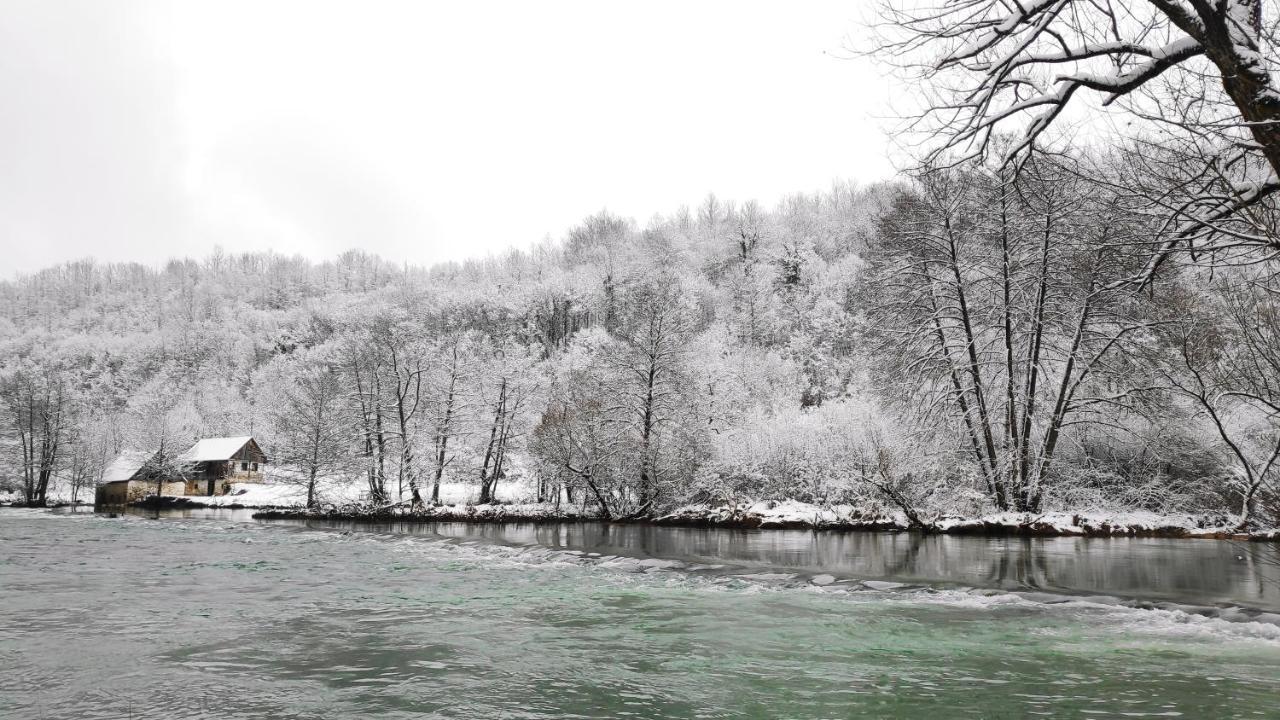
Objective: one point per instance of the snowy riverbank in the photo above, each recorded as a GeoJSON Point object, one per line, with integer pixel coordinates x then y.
{"type": "Point", "coordinates": [288, 501]}
{"type": "Point", "coordinates": [790, 514]}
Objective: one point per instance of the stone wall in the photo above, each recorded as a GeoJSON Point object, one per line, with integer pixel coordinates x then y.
{"type": "Point", "coordinates": [123, 493]}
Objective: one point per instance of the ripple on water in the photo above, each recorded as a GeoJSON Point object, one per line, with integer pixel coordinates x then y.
{"type": "Point", "coordinates": [185, 618]}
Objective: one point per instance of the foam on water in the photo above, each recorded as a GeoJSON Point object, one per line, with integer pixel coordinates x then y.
{"type": "Point", "coordinates": [1168, 620]}
{"type": "Point", "coordinates": [278, 619]}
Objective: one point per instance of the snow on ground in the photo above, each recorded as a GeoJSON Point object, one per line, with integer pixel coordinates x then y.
{"type": "Point", "coordinates": [1069, 523]}
{"type": "Point", "coordinates": [289, 495]}
{"type": "Point", "coordinates": [784, 513]}
{"type": "Point", "coordinates": [790, 513]}
{"type": "Point", "coordinates": [1129, 522]}
{"type": "Point", "coordinates": [57, 495]}
{"type": "Point", "coordinates": [516, 500]}
{"type": "Point", "coordinates": [255, 495]}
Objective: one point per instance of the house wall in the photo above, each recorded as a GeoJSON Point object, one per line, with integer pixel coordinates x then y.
{"type": "Point", "coordinates": [248, 455]}
{"type": "Point", "coordinates": [125, 492]}
{"type": "Point", "coordinates": [240, 468]}
{"type": "Point", "coordinates": [221, 485]}
{"type": "Point", "coordinates": [208, 470]}
{"type": "Point", "coordinates": [200, 486]}
{"type": "Point", "coordinates": [238, 475]}
{"type": "Point", "coordinates": [222, 474]}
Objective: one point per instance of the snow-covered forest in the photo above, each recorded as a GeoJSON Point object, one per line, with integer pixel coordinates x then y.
{"type": "Point", "coordinates": [958, 344]}
{"type": "Point", "coordinates": [1013, 326]}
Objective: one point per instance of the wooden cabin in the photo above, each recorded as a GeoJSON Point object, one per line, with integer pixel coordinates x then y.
{"type": "Point", "coordinates": [212, 464]}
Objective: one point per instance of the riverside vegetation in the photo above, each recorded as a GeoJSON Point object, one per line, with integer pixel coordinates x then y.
{"type": "Point", "coordinates": [958, 344]}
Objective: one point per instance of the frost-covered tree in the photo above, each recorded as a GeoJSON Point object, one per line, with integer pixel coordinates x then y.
{"type": "Point", "coordinates": [991, 301]}
{"type": "Point", "coordinates": [1225, 359]}
{"type": "Point", "coordinates": [312, 432]}
{"type": "Point", "coordinates": [582, 444]}
{"type": "Point", "coordinates": [507, 384]}
{"type": "Point", "coordinates": [650, 387]}
{"type": "Point", "coordinates": [729, 352]}
{"type": "Point", "coordinates": [37, 402]}
{"type": "Point", "coordinates": [992, 62]}
{"type": "Point", "coordinates": [1198, 75]}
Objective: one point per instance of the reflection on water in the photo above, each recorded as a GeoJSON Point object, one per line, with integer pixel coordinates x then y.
{"type": "Point", "coordinates": [1201, 572]}
{"type": "Point", "coordinates": [199, 614]}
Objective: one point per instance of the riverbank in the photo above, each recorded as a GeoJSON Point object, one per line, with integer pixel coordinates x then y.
{"type": "Point", "coordinates": [804, 516]}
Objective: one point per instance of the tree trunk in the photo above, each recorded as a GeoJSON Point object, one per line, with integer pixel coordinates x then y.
{"type": "Point", "coordinates": [1245, 76]}
{"type": "Point", "coordinates": [647, 484]}
{"type": "Point", "coordinates": [993, 490]}
{"type": "Point", "coordinates": [491, 452]}
{"type": "Point", "coordinates": [1032, 368]}
{"type": "Point", "coordinates": [975, 367]}
{"type": "Point", "coordinates": [444, 431]}
{"type": "Point", "coordinates": [605, 512]}
{"type": "Point", "coordinates": [1011, 435]}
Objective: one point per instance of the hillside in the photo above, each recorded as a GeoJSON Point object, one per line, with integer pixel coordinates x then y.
{"type": "Point", "coordinates": [907, 349]}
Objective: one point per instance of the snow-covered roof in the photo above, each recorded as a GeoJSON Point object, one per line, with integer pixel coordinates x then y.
{"type": "Point", "coordinates": [210, 449]}
{"type": "Point", "coordinates": [125, 466]}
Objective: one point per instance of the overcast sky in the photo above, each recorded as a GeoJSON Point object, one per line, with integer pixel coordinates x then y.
{"type": "Point", "coordinates": [419, 131]}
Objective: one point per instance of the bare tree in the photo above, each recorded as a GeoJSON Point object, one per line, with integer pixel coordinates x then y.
{"type": "Point", "coordinates": [510, 368]}
{"type": "Point", "coordinates": [1012, 60]}
{"type": "Point", "coordinates": [652, 337]}
{"type": "Point", "coordinates": [166, 427]}
{"type": "Point", "coordinates": [991, 303]}
{"type": "Point", "coordinates": [878, 463]}
{"type": "Point", "coordinates": [450, 399]}
{"type": "Point", "coordinates": [1200, 72]}
{"type": "Point", "coordinates": [365, 369]}
{"type": "Point", "coordinates": [579, 440]}
{"type": "Point", "coordinates": [405, 363]}
{"type": "Point", "coordinates": [311, 428]}
{"type": "Point", "coordinates": [37, 409]}
{"type": "Point", "coordinates": [84, 465]}
{"type": "Point", "coordinates": [1226, 360]}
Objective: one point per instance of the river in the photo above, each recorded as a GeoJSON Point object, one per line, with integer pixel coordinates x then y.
{"type": "Point", "coordinates": [209, 614]}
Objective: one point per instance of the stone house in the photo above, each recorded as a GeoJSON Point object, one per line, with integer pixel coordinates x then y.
{"type": "Point", "coordinates": [129, 478]}
{"type": "Point", "coordinates": [207, 468]}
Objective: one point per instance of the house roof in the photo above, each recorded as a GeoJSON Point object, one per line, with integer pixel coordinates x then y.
{"type": "Point", "coordinates": [211, 449]}
{"type": "Point", "coordinates": [125, 466]}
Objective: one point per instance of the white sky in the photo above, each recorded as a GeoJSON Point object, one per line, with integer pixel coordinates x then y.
{"type": "Point", "coordinates": [419, 131]}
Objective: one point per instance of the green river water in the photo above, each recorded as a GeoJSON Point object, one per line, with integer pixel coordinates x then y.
{"type": "Point", "coordinates": [216, 616]}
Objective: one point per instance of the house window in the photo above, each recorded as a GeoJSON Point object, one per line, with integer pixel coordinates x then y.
{"type": "Point", "coordinates": [244, 466]}
{"type": "Point", "coordinates": [255, 467]}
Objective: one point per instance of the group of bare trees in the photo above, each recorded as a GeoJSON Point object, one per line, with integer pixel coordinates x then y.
{"type": "Point", "coordinates": [39, 407]}
{"type": "Point", "coordinates": [620, 424]}
{"type": "Point", "coordinates": [1224, 362]}
{"type": "Point", "coordinates": [405, 400]}
{"type": "Point", "coordinates": [410, 397]}
{"type": "Point", "coordinates": [1159, 237]}
{"type": "Point", "coordinates": [992, 303]}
